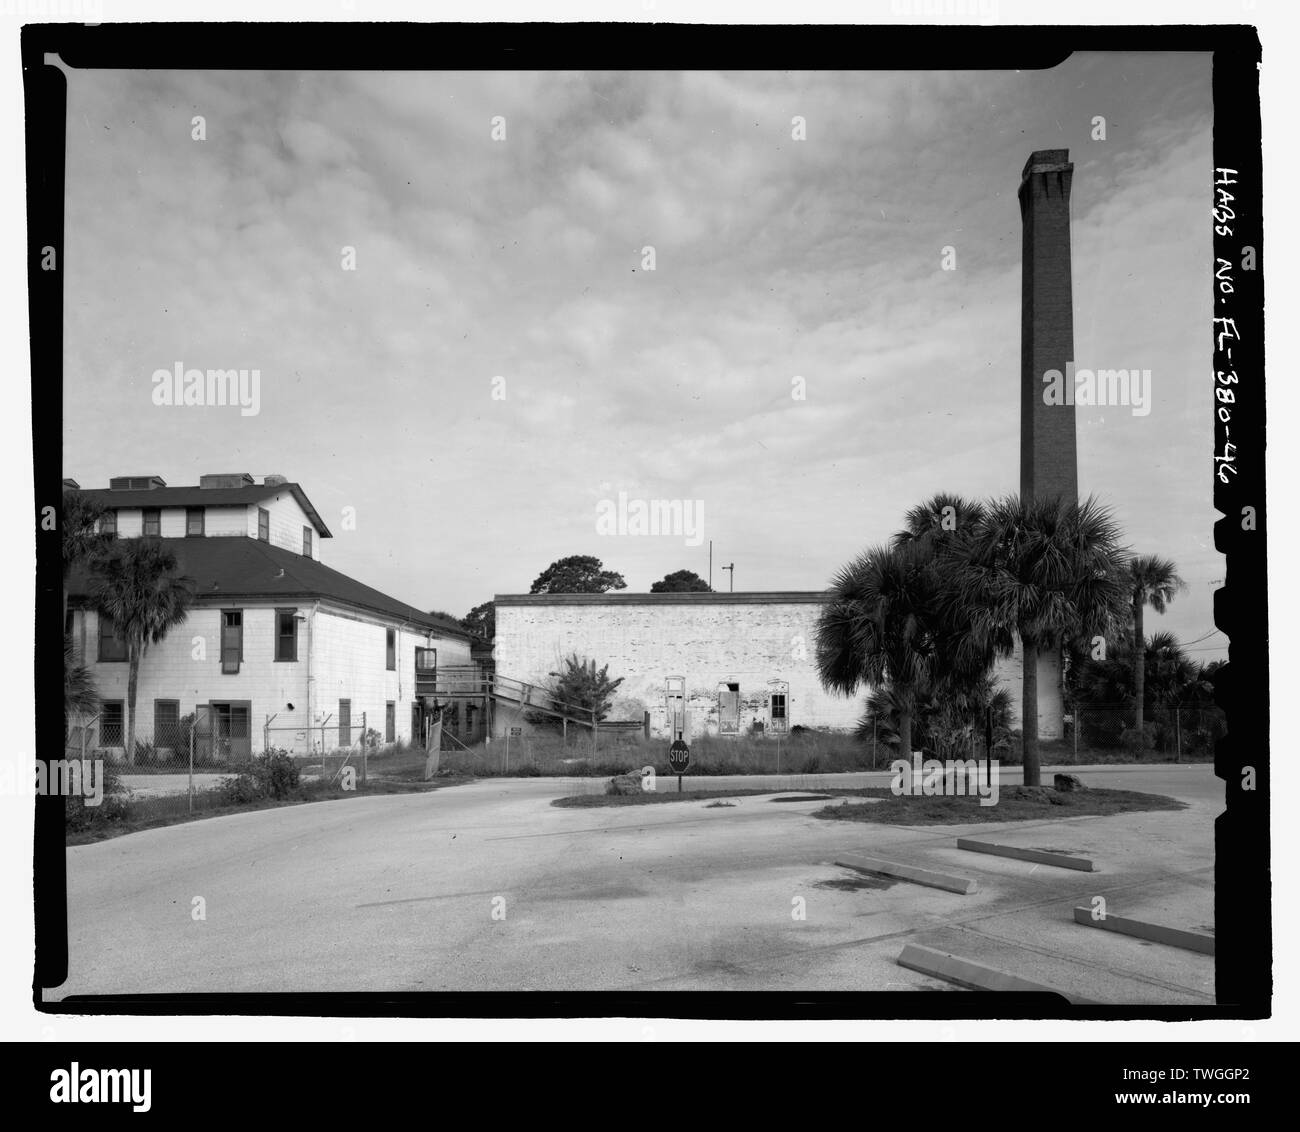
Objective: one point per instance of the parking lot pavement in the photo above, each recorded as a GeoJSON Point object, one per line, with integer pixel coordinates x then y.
{"type": "Point", "coordinates": [488, 886]}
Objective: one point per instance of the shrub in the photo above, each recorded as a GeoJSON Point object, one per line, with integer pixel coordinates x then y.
{"type": "Point", "coordinates": [78, 816]}
{"type": "Point", "coordinates": [273, 774]}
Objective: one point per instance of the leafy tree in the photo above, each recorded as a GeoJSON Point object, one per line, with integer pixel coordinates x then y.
{"type": "Point", "coordinates": [1044, 571]}
{"type": "Point", "coordinates": [445, 616]}
{"type": "Point", "coordinates": [681, 582]}
{"type": "Point", "coordinates": [577, 574]}
{"type": "Point", "coordinates": [581, 684]}
{"type": "Point", "coordinates": [136, 584]}
{"type": "Point", "coordinates": [1152, 581]}
{"type": "Point", "coordinates": [481, 621]}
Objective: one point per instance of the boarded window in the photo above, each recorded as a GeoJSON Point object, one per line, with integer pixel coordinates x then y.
{"type": "Point", "coordinates": [232, 640]}
{"type": "Point", "coordinates": [286, 634]}
{"type": "Point", "coordinates": [112, 645]}
{"type": "Point", "coordinates": [152, 522]}
{"type": "Point", "coordinates": [263, 524]}
{"type": "Point", "coordinates": [110, 724]}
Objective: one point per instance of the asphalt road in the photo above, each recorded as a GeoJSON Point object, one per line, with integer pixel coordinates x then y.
{"type": "Point", "coordinates": [488, 886]}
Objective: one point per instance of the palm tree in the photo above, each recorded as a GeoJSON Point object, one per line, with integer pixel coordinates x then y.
{"type": "Point", "coordinates": [81, 543]}
{"type": "Point", "coordinates": [1043, 571]}
{"type": "Point", "coordinates": [946, 521]}
{"type": "Point", "coordinates": [1153, 581]}
{"type": "Point", "coordinates": [79, 694]}
{"type": "Point", "coordinates": [137, 585]}
{"type": "Point", "coordinates": [878, 627]}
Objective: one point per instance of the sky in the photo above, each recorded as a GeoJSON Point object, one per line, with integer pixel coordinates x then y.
{"type": "Point", "coordinates": [501, 363]}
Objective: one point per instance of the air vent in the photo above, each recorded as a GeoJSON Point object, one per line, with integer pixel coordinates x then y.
{"type": "Point", "coordinates": [136, 483]}
{"type": "Point", "coordinates": [226, 479]}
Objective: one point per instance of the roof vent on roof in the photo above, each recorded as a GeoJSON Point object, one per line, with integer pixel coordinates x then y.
{"type": "Point", "coordinates": [226, 479]}
{"type": "Point", "coordinates": [135, 483]}
{"type": "Point", "coordinates": [71, 485]}
{"type": "Point", "coordinates": [275, 481]}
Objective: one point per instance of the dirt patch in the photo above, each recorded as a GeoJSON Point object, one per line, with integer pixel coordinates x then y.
{"type": "Point", "coordinates": [718, 805]}
{"type": "Point", "coordinates": [802, 798]}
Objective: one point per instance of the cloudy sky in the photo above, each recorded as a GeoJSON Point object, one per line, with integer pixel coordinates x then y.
{"type": "Point", "coordinates": [521, 259]}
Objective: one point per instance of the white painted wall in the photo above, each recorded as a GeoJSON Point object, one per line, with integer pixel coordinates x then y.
{"type": "Point", "coordinates": [287, 521]}
{"type": "Point", "coordinates": [748, 644]}
{"type": "Point", "coordinates": [347, 660]}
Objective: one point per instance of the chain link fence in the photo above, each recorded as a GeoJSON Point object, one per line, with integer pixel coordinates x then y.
{"type": "Point", "coordinates": [1173, 731]}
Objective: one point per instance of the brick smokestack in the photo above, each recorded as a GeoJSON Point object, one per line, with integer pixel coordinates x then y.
{"type": "Point", "coordinates": [1048, 459]}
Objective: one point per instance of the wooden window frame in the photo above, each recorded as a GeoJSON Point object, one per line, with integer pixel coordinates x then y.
{"type": "Point", "coordinates": [390, 721]}
{"type": "Point", "coordinates": [263, 525]}
{"type": "Point", "coordinates": [145, 512]}
{"type": "Point", "coordinates": [306, 542]}
{"type": "Point", "coordinates": [100, 656]}
{"type": "Point", "coordinates": [226, 670]}
{"type": "Point", "coordinates": [121, 722]}
{"type": "Point", "coordinates": [390, 650]}
{"type": "Point", "coordinates": [292, 614]}
{"type": "Point", "coordinates": [190, 513]}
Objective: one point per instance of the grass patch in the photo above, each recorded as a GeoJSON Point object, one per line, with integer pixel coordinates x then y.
{"type": "Point", "coordinates": [1013, 805]}
{"type": "Point", "coordinates": [131, 815]}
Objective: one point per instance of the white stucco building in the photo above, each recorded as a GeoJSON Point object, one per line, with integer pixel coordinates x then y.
{"type": "Point", "coordinates": [273, 637]}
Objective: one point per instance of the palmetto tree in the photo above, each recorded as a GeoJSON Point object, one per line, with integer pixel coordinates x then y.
{"type": "Point", "coordinates": [79, 694]}
{"type": "Point", "coordinates": [136, 583]}
{"type": "Point", "coordinates": [879, 627]}
{"type": "Point", "coordinates": [1153, 581]}
{"type": "Point", "coordinates": [1043, 571]}
{"type": "Point", "coordinates": [78, 516]}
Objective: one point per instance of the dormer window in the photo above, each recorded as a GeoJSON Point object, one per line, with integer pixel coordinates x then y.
{"type": "Point", "coordinates": [194, 522]}
{"type": "Point", "coordinates": [152, 522]}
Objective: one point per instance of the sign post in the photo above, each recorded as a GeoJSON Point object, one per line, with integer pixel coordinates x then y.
{"type": "Point", "coordinates": [679, 760]}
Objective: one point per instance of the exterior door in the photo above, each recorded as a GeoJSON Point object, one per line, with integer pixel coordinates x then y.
{"type": "Point", "coordinates": [345, 723]}
{"type": "Point", "coordinates": [728, 709]}
{"type": "Point", "coordinates": [778, 707]}
{"type": "Point", "coordinates": [232, 738]}
{"type": "Point", "coordinates": [675, 705]}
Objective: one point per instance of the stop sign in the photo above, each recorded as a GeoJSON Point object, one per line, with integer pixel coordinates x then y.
{"type": "Point", "coordinates": [679, 756]}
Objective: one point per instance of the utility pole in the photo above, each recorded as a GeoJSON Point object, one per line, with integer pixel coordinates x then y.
{"type": "Point", "coordinates": [732, 586]}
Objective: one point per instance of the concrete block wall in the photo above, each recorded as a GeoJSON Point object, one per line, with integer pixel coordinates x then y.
{"type": "Point", "coordinates": [186, 666]}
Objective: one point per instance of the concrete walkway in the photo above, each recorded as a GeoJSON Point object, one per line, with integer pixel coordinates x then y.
{"type": "Point", "coordinates": [488, 886]}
